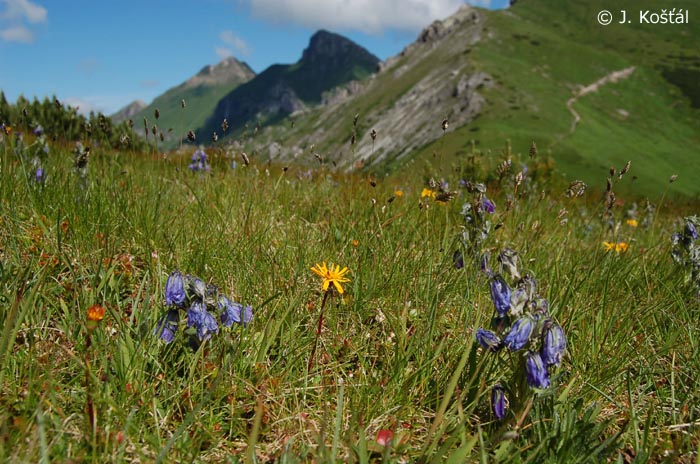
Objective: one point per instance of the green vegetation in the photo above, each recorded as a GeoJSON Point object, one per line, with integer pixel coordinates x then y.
{"type": "Point", "coordinates": [397, 351]}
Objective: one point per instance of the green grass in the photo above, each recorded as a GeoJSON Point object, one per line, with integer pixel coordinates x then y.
{"type": "Point", "coordinates": [397, 351]}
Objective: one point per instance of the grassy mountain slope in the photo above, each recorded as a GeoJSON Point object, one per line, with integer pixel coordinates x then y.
{"type": "Point", "coordinates": [537, 55]}
{"type": "Point", "coordinates": [201, 94]}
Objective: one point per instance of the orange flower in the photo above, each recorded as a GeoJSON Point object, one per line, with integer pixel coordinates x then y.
{"type": "Point", "coordinates": [95, 313]}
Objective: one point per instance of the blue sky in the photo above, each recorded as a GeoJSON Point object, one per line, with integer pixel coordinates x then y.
{"type": "Point", "coordinates": [101, 55]}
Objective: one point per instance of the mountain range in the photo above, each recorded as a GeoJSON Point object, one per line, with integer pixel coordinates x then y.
{"type": "Point", "coordinates": [542, 70]}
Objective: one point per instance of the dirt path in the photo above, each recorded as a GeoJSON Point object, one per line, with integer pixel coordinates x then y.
{"type": "Point", "coordinates": [607, 79]}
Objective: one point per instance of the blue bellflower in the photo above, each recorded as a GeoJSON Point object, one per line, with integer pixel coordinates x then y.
{"type": "Point", "coordinates": [553, 345]}
{"type": "Point", "coordinates": [536, 372]}
{"type": "Point", "coordinates": [487, 206]}
{"type": "Point", "coordinates": [498, 401]}
{"type": "Point", "coordinates": [167, 326]}
{"type": "Point", "coordinates": [519, 334]}
{"type": "Point", "coordinates": [488, 340]}
{"type": "Point", "coordinates": [233, 312]}
{"type": "Point", "coordinates": [175, 289]}
{"type": "Point", "coordinates": [500, 294]}
{"type": "Point", "coordinates": [200, 319]}
{"type": "Point", "coordinates": [458, 259]}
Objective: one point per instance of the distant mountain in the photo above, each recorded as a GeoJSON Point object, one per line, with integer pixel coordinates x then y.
{"type": "Point", "coordinates": [329, 61]}
{"type": "Point", "coordinates": [129, 111]}
{"type": "Point", "coordinates": [593, 96]}
{"type": "Point", "coordinates": [201, 94]}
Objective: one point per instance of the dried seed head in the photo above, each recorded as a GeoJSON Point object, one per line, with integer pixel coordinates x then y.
{"type": "Point", "coordinates": [354, 121]}
{"type": "Point", "coordinates": [124, 140]}
{"type": "Point", "coordinates": [162, 137]}
{"type": "Point", "coordinates": [503, 168]}
{"type": "Point", "coordinates": [224, 125]}
{"type": "Point", "coordinates": [145, 125]}
{"type": "Point", "coordinates": [246, 161]}
{"type": "Point", "coordinates": [445, 124]}
{"type": "Point", "coordinates": [353, 139]}
{"type": "Point", "coordinates": [372, 183]}
{"type": "Point", "coordinates": [625, 170]}
{"type": "Point", "coordinates": [533, 150]}
{"type": "Point", "coordinates": [562, 212]}
{"type": "Point", "coordinates": [182, 103]}
{"type": "Point", "coordinates": [576, 189]}
{"type": "Point", "coordinates": [190, 136]}
{"type": "Point", "coordinates": [130, 123]}
{"type": "Point", "coordinates": [156, 113]}
{"type": "Point", "coordinates": [518, 179]}
{"type": "Point", "coordinates": [444, 197]}
{"type": "Point", "coordinates": [214, 137]}
{"type": "Point", "coordinates": [318, 157]}
{"type": "Point", "coordinates": [154, 129]}
{"type": "Point", "coordinates": [373, 134]}
{"type": "Point", "coordinates": [57, 103]}
{"type": "Point", "coordinates": [673, 178]}
{"type": "Point", "coordinates": [610, 184]}
{"type": "Point", "coordinates": [612, 171]}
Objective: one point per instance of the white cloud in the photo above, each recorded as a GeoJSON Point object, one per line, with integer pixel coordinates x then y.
{"type": "Point", "coordinates": [370, 16]}
{"type": "Point", "coordinates": [231, 39]}
{"type": "Point", "coordinates": [223, 52]}
{"type": "Point", "coordinates": [24, 9]}
{"type": "Point", "coordinates": [17, 34]}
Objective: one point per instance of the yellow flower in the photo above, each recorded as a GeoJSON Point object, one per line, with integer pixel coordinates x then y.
{"type": "Point", "coordinates": [398, 193]}
{"type": "Point", "coordinates": [95, 313]}
{"type": "Point", "coordinates": [331, 275]}
{"type": "Point", "coordinates": [426, 192]}
{"type": "Point", "coordinates": [632, 222]}
{"type": "Point", "coordinates": [618, 247]}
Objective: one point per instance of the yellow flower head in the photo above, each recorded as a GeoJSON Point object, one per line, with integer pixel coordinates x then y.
{"type": "Point", "coordinates": [426, 192]}
{"type": "Point", "coordinates": [617, 247]}
{"type": "Point", "coordinates": [632, 222]}
{"type": "Point", "coordinates": [331, 275]}
{"type": "Point", "coordinates": [398, 193]}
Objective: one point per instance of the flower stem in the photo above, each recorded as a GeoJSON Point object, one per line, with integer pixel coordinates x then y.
{"type": "Point", "coordinates": [319, 326]}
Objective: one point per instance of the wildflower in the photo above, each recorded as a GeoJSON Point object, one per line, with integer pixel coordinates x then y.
{"type": "Point", "coordinates": [484, 263]}
{"type": "Point", "coordinates": [691, 230]}
{"type": "Point", "coordinates": [199, 162]}
{"type": "Point", "coordinates": [498, 401]}
{"type": "Point", "coordinates": [426, 192]}
{"type": "Point", "coordinates": [458, 259]}
{"type": "Point", "coordinates": [519, 334]}
{"type": "Point", "coordinates": [332, 275]}
{"type": "Point", "coordinates": [39, 175]}
{"type": "Point", "coordinates": [197, 287]}
{"type": "Point", "coordinates": [632, 222]}
{"type": "Point", "coordinates": [95, 313]}
{"type": "Point", "coordinates": [488, 340]}
{"type": "Point", "coordinates": [398, 193]}
{"type": "Point", "coordinates": [167, 326]}
{"type": "Point", "coordinates": [553, 345]}
{"type": "Point", "coordinates": [487, 206]}
{"type": "Point", "coordinates": [38, 130]}
{"type": "Point", "coordinates": [175, 289]}
{"type": "Point", "coordinates": [618, 247]}
{"type": "Point", "coordinates": [509, 262]}
{"type": "Point", "coordinates": [535, 371]}
{"type": "Point", "coordinates": [234, 312]}
{"type": "Point", "coordinates": [500, 294]}
{"type": "Point", "coordinates": [201, 320]}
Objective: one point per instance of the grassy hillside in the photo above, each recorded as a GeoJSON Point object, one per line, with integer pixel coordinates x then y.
{"type": "Point", "coordinates": [540, 51]}
{"type": "Point", "coordinates": [392, 372]}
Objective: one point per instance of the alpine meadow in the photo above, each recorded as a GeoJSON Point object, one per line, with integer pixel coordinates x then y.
{"type": "Point", "coordinates": [484, 249]}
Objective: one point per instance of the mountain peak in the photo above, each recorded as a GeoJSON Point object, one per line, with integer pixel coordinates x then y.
{"type": "Point", "coordinates": [227, 70]}
{"type": "Point", "coordinates": [325, 45]}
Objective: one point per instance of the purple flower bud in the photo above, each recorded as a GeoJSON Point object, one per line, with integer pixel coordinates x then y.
{"type": "Point", "coordinates": [498, 401]}
{"type": "Point", "coordinates": [175, 289]}
{"type": "Point", "coordinates": [39, 175]}
{"type": "Point", "coordinates": [488, 340]}
{"type": "Point", "coordinates": [553, 345]}
{"type": "Point", "coordinates": [536, 372]}
{"type": "Point", "coordinates": [200, 319]}
{"type": "Point", "coordinates": [519, 334]}
{"type": "Point", "coordinates": [487, 205]}
{"type": "Point", "coordinates": [458, 259]}
{"type": "Point", "coordinates": [691, 231]}
{"type": "Point", "coordinates": [167, 326]}
{"type": "Point", "coordinates": [509, 262]}
{"type": "Point", "coordinates": [197, 287]}
{"type": "Point", "coordinates": [484, 263]}
{"type": "Point", "coordinates": [38, 130]}
{"type": "Point", "coordinates": [500, 294]}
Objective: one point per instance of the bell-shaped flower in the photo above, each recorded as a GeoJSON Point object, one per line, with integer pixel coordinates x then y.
{"type": "Point", "coordinates": [167, 326]}
{"type": "Point", "coordinates": [487, 206]}
{"type": "Point", "coordinates": [520, 333]}
{"type": "Point", "coordinates": [197, 287]}
{"type": "Point", "coordinates": [199, 318]}
{"type": "Point", "coordinates": [175, 289]}
{"type": "Point", "coordinates": [553, 345]}
{"type": "Point", "coordinates": [500, 294]}
{"type": "Point", "coordinates": [498, 401]}
{"type": "Point", "coordinates": [509, 262]}
{"type": "Point", "coordinates": [233, 312]}
{"type": "Point", "coordinates": [691, 231]}
{"type": "Point", "coordinates": [535, 371]}
{"type": "Point", "coordinates": [488, 340]}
